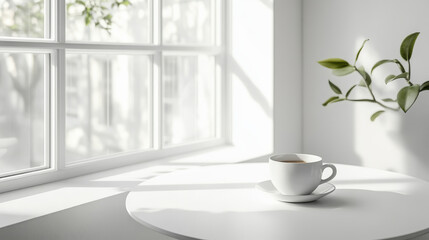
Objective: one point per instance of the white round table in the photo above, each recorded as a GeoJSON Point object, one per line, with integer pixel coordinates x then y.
{"type": "Point", "coordinates": [221, 202]}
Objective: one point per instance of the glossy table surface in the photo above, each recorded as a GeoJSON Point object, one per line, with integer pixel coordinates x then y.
{"type": "Point", "coordinates": [221, 202]}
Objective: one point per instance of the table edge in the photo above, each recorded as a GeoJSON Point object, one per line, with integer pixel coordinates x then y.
{"type": "Point", "coordinates": [155, 228]}
{"type": "Point", "coordinates": [407, 236]}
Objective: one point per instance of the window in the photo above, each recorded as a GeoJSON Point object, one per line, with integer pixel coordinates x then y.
{"type": "Point", "coordinates": [189, 98]}
{"type": "Point", "coordinates": [24, 131]}
{"type": "Point", "coordinates": [87, 82]}
{"type": "Point", "coordinates": [108, 104]}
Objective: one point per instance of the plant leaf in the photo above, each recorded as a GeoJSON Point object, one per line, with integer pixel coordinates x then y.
{"type": "Point", "coordinates": [108, 17]}
{"type": "Point", "coordinates": [399, 64]}
{"type": "Point", "coordinates": [334, 88]}
{"type": "Point", "coordinates": [362, 83]}
{"type": "Point", "coordinates": [334, 63]}
{"type": "Point", "coordinates": [80, 2]}
{"type": "Point", "coordinates": [343, 71]}
{"type": "Point", "coordinates": [424, 86]}
{"type": "Point", "coordinates": [376, 114]}
{"type": "Point", "coordinates": [402, 75]}
{"type": "Point", "coordinates": [330, 100]}
{"type": "Point", "coordinates": [87, 20]}
{"type": "Point", "coordinates": [388, 100]}
{"type": "Point", "coordinates": [381, 62]}
{"type": "Point", "coordinates": [350, 90]}
{"type": "Point", "coordinates": [126, 3]}
{"type": "Point", "coordinates": [360, 49]}
{"type": "Point", "coordinates": [338, 100]}
{"type": "Point", "coordinates": [391, 78]}
{"type": "Point", "coordinates": [408, 45]}
{"type": "Point", "coordinates": [407, 96]}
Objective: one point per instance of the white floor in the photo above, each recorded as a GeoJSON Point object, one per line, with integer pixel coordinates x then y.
{"type": "Point", "coordinates": [105, 219]}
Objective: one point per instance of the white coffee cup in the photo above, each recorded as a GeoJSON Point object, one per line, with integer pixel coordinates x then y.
{"type": "Point", "coordinates": [298, 174]}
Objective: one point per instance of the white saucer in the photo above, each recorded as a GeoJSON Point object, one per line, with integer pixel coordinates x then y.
{"type": "Point", "coordinates": [268, 188]}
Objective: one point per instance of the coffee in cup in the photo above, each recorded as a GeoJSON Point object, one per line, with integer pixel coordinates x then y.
{"type": "Point", "coordinates": [298, 174]}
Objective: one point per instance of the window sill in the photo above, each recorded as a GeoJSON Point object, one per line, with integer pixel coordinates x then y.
{"type": "Point", "coordinates": [25, 204]}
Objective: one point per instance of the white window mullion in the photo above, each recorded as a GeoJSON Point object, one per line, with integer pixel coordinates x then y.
{"type": "Point", "coordinates": [219, 102]}
{"type": "Point", "coordinates": [51, 114]}
{"type": "Point", "coordinates": [47, 20]}
{"type": "Point", "coordinates": [217, 30]}
{"type": "Point", "coordinates": [60, 113]}
{"type": "Point", "coordinates": [156, 22]}
{"type": "Point", "coordinates": [160, 23]}
{"type": "Point", "coordinates": [61, 21]}
{"type": "Point", "coordinates": [157, 101]}
{"type": "Point", "coordinates": [108, 47]}
{"type": "Point", "coordinates": [226, 81]}
{"type": "Point", "coordinates": [157, 77]}
{"type": "Point", "coordinates": [59, 97]}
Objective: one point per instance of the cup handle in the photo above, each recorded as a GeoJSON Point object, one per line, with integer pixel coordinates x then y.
{"type": "Point", "coordinates": [334, 172]}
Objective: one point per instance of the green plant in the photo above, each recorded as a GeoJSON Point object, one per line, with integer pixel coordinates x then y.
{"type": "Point", "coordinates": [99, 11]}
{"type": "Point", "coordinates": [405, 97]}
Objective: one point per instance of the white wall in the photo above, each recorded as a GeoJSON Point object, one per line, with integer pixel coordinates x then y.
{"type": "Point", "coordinates": [342, 132]}
{"type": "Point", "coordinates": [287, 76]}
{"type": "Point", "coordinates": [250, 62]}
{"type": "Point", "coordinates": [266, 98]}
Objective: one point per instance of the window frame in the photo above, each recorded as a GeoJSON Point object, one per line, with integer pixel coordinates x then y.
{"type": "Point", "coordinates": [57, 47]}
{"type": "Point", "coordinates": [49, 55]}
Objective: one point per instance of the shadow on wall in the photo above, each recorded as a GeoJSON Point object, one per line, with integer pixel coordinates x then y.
{"type": "Point", "coordinates": [414, 135]}
{"type": "Point", "coordinates": [397, 141]}
{"type": "Point", "coordinates": [251, 88]}
{"type": "Point", "coordinates": [342, 132]}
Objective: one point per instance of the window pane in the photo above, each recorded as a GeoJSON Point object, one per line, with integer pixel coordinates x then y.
{"type": "Point", "coordinates": [189, 98]}
{"type": "Point", "coordinates": [22, 121]}
{"type": "Point", "coordinates": [188, 21]}
{"type": "Point", "coordinates": [107, 104]}
{"type": "Point", "coordinates": [22, 18]}
{"type": "Point", "coordinates": [105, 21]}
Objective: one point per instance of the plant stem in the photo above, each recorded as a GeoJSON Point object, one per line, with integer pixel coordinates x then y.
{"type": "Point", "coordinates": [373, 101]}
{"type": "Point", "coordinates": [367, 86]}
{"type": "Point", "coordinates": [409, 73]}
{"type": "Point", "coordinates": [401, 67]}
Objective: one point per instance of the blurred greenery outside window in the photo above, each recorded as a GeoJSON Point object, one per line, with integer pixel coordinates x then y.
{"type": "Point", "coordinates": [109, 98]}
